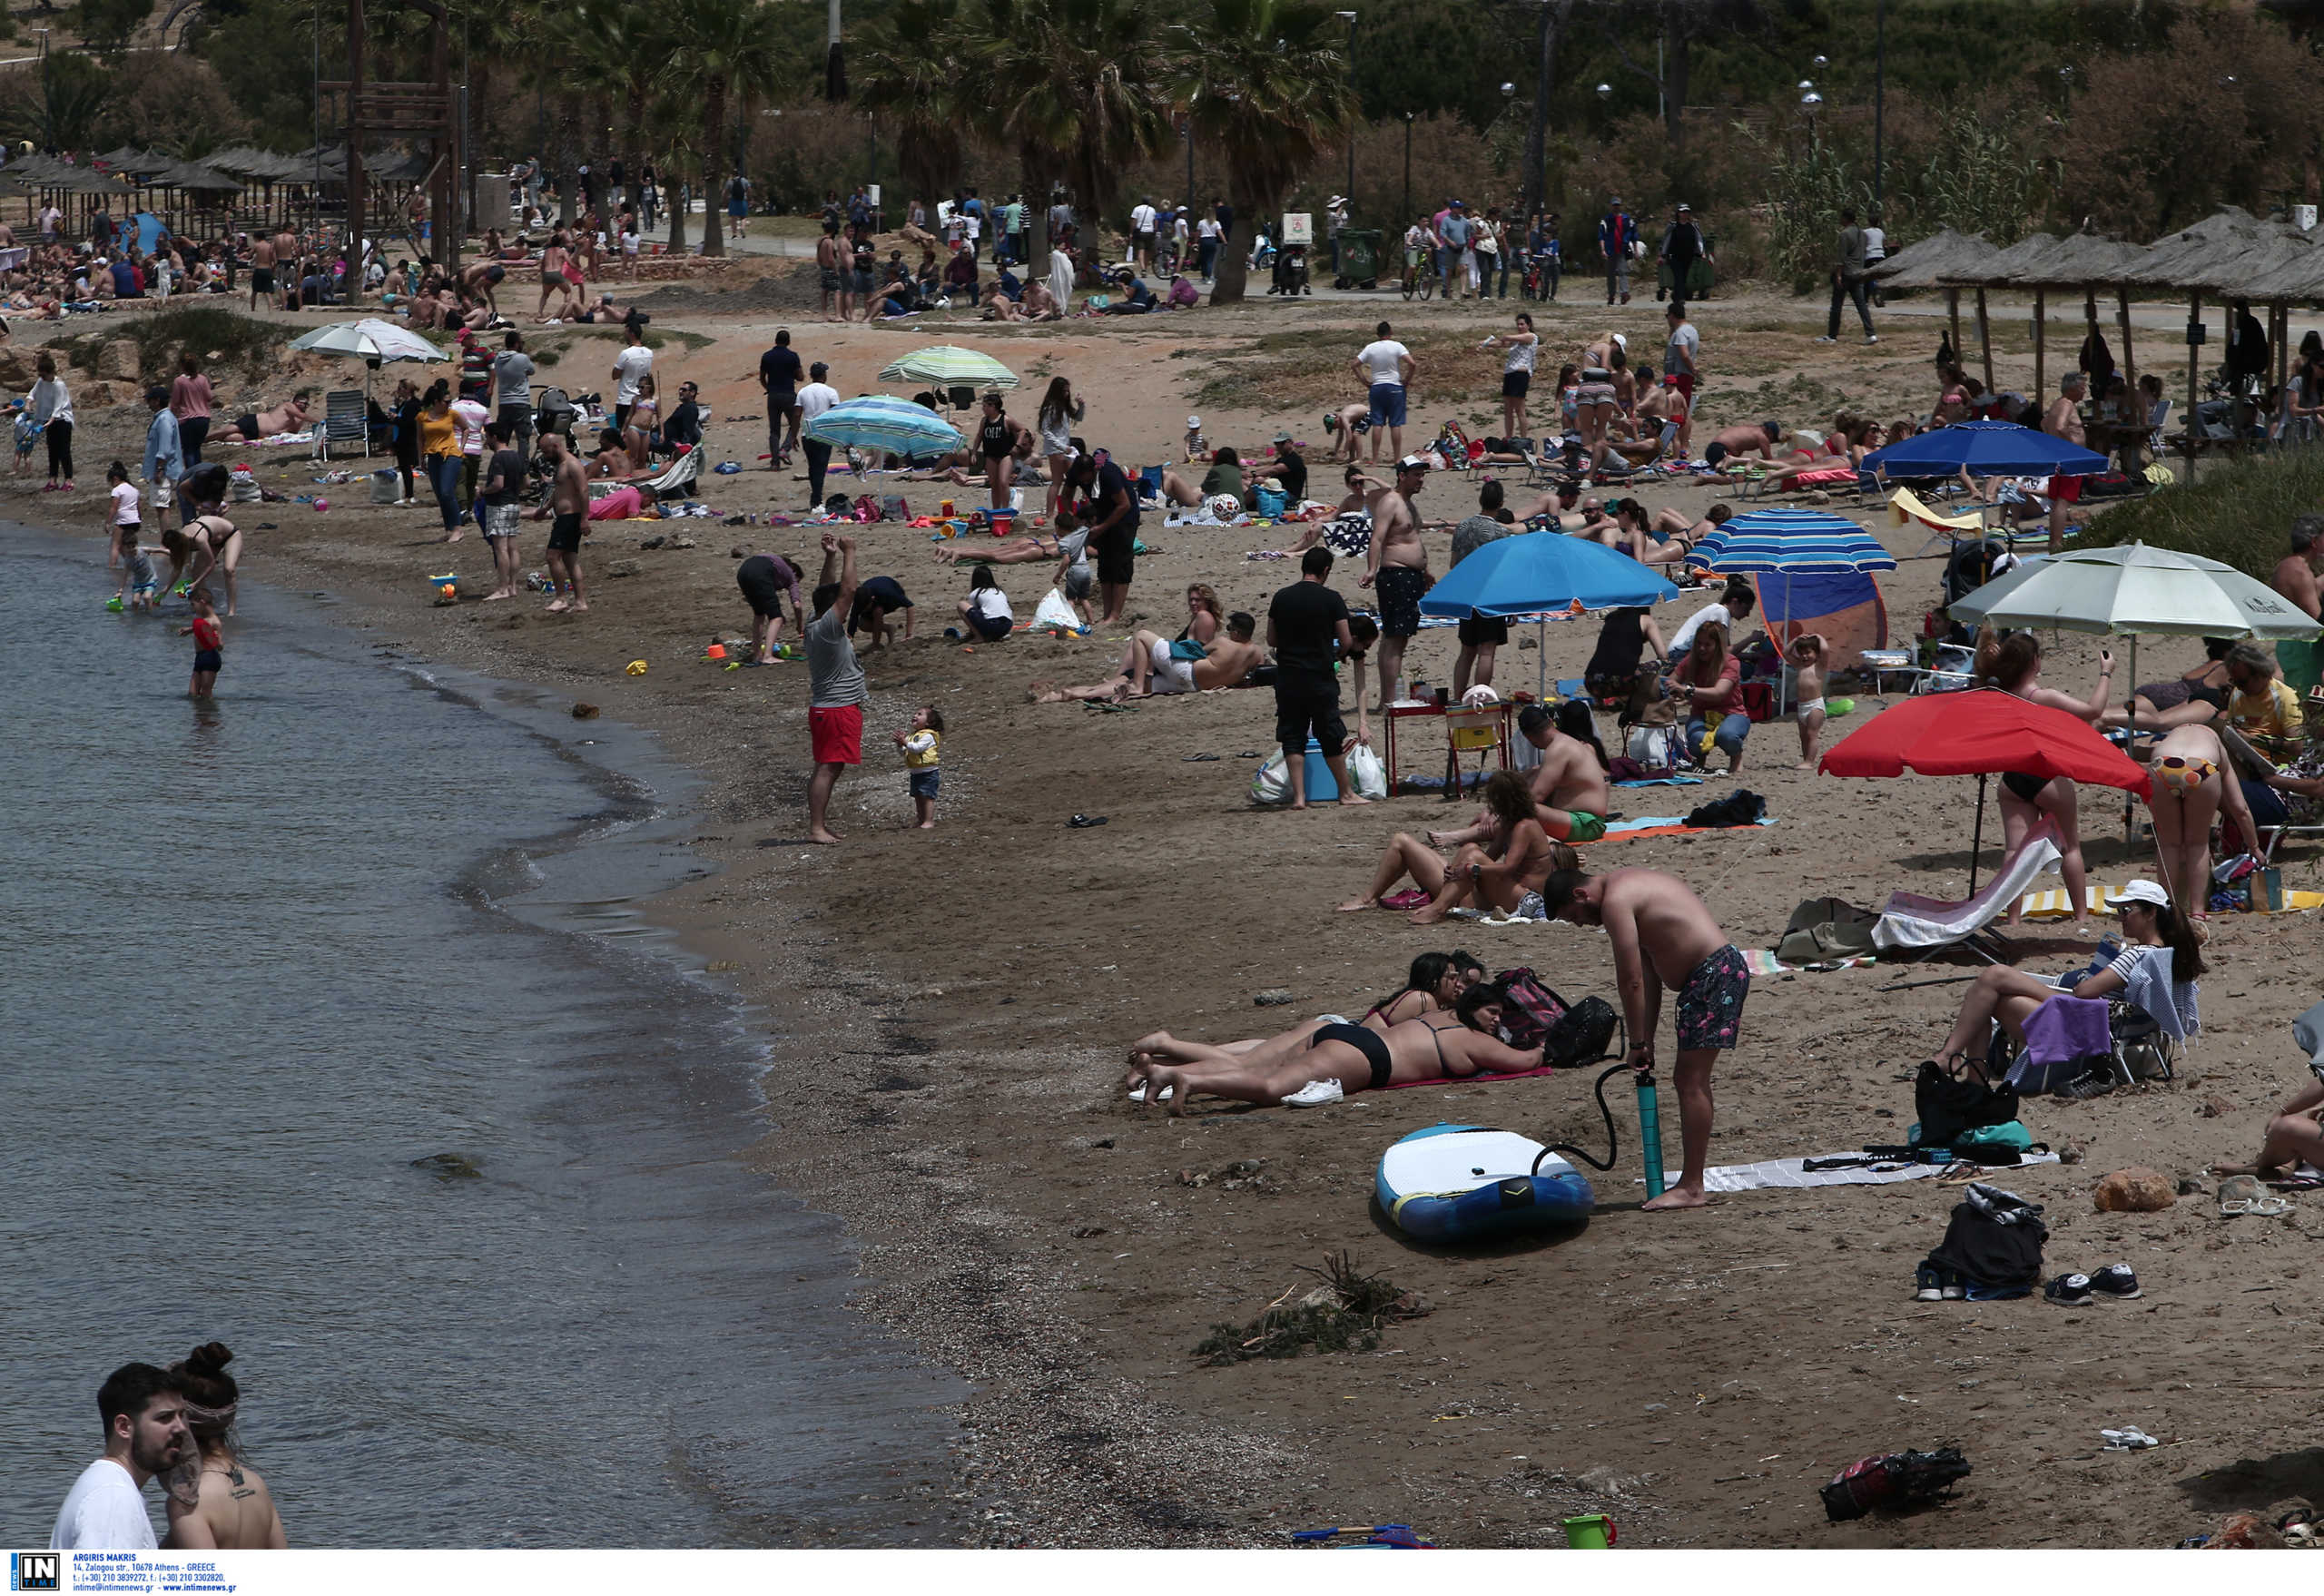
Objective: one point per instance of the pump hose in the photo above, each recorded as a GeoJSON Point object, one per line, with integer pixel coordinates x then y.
{"type": "Point", "coordinates": [1613, 1142]}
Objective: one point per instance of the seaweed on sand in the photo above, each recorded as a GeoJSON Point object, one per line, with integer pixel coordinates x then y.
{"type": "Point", "coordinates": [1345, 1314]}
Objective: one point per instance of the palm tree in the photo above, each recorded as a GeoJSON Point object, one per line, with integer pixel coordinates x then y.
{"type": "Point", "coordinates": [1267, 82]}
{"type": "Point", "coordinates": [617, 51]}
{"type": "Point", "coordinates": [910, 70]}
{"type": "Point", "coordinates": [722, 52]}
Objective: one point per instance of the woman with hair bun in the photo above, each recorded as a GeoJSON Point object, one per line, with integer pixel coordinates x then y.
{"type": "Point", "coordinates": [215, 1499]}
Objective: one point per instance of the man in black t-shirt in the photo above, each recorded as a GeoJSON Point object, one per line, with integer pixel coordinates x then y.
{"type": "Point", "coordinates": [1110, 510]}
{"type": "Point", "coordinates": [779, 373]}
{"type": "Point", "coordinates": [1307, 628]}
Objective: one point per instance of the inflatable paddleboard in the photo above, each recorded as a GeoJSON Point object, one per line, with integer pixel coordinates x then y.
{"type": "Point", "coordinates": [1453, 1182]}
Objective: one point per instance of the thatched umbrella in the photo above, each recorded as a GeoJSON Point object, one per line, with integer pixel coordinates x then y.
{"type": "Point", "coordinates": [2182, 260]}
{"type": "Point", "coordinates": [2079, 261]}
{"type": "Point", "coordinates": [2027, 252]}
{"type": "Point", "coordinates": [1926, 264]}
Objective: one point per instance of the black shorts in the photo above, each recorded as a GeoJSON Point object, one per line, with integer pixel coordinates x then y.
{"type": "Point", "coordinates": [1515, 384]}
{"type": "Point", "coordinates": [2026, 787]}
{"type": "Point", "coordinates": [1307, 705]}
{"type": "Point", "coordinates": [565, 533]}
{"type": "Point", "coordinates": [247, 425]}
{"type": "Point", "coordinates": [1401, 588]}
{"type": "Point", "coordinates": [1370, 1043]}
{"type": "Point", "coordinates": [1116, 558]}
{"type": "Point", "coordinates": [261, 280]}
{"type": "Point", "coordinates": [992, 628]}
{"type": "Point", "coordinates": [207, 659]}
{"type": "Point", "coordinates": [761, 590]}
{"type": "Point", "coordinates": [1478, 630]}
{"type": "Point", "coordinates": [517, 418]}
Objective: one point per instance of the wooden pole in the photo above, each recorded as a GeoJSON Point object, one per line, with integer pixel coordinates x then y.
{"type": "Point", "coordinates": [1952, 312]}
{"type": "Point", "coordinates": [2194, 320]}
{"type": "Point", "coordinates": [1985, 339]}
{"type": "Point", "coordinates": [2040, 316]}
{"type": "Point", "coordinates": [2089, 321]}
{"type": "Point", "coordinates": [2123, 313]}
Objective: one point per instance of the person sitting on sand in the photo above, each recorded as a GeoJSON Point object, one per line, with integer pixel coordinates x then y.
{"type": "Point", "coordinates": [254, 427]}
{"type": "Point", "coordinates": [1039, 304]}
{"type": "Point", "coordinates": [1663, 936]}
{"type": "Point", "coordinates": [1351, 1059]}
{"type": "Point", "coordinates": [1741, 441]}
{"type": "Point", "coordinates": [1511, 842]}
{"type": "Point", "coordinates": [2161, 947]}
{"type": "Point", "coordinates": [1434, 985]}
{"type": "Point", "coordinates": [1569, 789]}
{"type": "Point", "coordinates": [2294, 1137]}
{"type": "Point", "coordinates": [1152, 667]}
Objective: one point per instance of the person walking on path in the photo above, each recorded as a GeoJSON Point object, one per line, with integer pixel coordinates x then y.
{"type": "Point", "coordinates": [1682, 246]}
{"type": "Point", "coordinates": [142, 1410]}
{"type": "Point", "coordinates": [1848, 281]}
{"type": "Point", "coordinates": [836, 688]}
{"type": "Point", "coordinates": [1663, 936]}
{"type": "Point", "coordinates": [1617, 233]}
{"type": "Point", "coordinates": [1307, 627]}
{"type": "Point", "coordinates": [814, 398]}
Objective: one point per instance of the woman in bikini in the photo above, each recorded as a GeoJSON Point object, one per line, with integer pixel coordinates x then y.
{"type": "Point", "coordinates": [215, 1499]}
{"type": "Point", "coordinates": [2192, 783]}
{"type": "Point", "coordinates": [2198, 698]}
{"type": "Point", "coordinates": [212, 542]}
{"type": "Point", "coordinates": [1206, 617]}
{"type": "Point", "coordinates": [552, 279]}
{"type": "Point", "coordinates": [1508, 812]}
{"type": "Point", "coordinates": [1435, 983]}
{"type": "Point", "coordinates": [1432, 1047]}
{"type": "Point", "coordinates": [1001, 441]}
{"type": "Point", "coordinates": [2014, 664]}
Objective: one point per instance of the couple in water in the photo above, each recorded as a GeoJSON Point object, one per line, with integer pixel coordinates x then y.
{"type": "Point", "coordinates": [174, 1424]}
{"type": "Point", "coordinates": [1443, 1025]}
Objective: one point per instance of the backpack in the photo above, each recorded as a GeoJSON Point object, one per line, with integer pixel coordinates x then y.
{"type": "Point", "coordinates": [1529, 1010]}
{"type": "Point", "coordinates": [1899, 1480]}
{"type": "Point", "coordinates": [1580, 1035]}
{"type": "Point", "coordinates": [1825, 928]}
{"type": "Point", "coordinates": [1949, 1106]}
{"type": "Point", "coordinates": [1741, 807]}
{"type": "Point", "coordinates": [867, 508]}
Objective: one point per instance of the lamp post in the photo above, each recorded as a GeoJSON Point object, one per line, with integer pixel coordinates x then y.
{"type": "Point", "coordinates": [1349, 17]}
{"type": "Point", "coordinates": [1408, 164]}
{"type": "Point", "coordinates": [1187, 132]}
{"type": "Point", "coordinates": [1879, 88]}
{"type": "Point", "coordinates": [1537, 158]}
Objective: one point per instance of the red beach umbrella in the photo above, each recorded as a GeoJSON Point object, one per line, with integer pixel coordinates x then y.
{"type": "Point", "coordinates": [1983, 734]}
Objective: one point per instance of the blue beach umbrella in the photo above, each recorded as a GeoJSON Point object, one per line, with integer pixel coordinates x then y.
{"type": "Point", "coordinates": [1985, 448]}
{"type": "Point", "coordinates": [1538, 573]}
{"type": "Point", "coordinates": [1801, 542]}
{"type": "Point", "coordinates": [883, 422]}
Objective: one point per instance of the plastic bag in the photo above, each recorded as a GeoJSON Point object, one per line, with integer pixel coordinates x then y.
{"type": "Point", "coordinates": [1271, 782]}
{"type": "Point", "coordinates": [1054, 615]}
{"type": "Point", "coordinates": [1366, 770]}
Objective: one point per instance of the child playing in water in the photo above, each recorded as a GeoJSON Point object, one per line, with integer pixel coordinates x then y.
{"type": "Point", "coordinates": [921, 745]}
{"type": "Point", "coordinates": [1807, 654]}
{"type": "Point", "coordinates": [122, 531]}
{"type": "Point", "coordinates": [209, 637]}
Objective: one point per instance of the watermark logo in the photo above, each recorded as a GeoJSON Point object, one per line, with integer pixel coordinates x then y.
{"type": "Point", "coordinates": [36, 1571]}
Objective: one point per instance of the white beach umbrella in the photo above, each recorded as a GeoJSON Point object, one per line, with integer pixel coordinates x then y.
{"type": "Point", "coordinates": [371, 340]}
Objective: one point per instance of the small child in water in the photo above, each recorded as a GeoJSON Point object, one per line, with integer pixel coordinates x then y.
{"type": "Point", "coordinates": [1807, 654]}
{"type": "Point", "coordinates": [136, 586]}
{"type": "Point", "coordinates": [209, 638]}
{"type": "Point", "coordinates": [921, 743]}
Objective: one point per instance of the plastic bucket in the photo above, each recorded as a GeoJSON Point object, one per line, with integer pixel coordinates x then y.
{"type": "Point", "coordinates": [1593, 1532]}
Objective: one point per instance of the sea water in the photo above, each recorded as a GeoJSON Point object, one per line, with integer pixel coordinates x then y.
{"type": "Point", "coordinates": [258, 957]}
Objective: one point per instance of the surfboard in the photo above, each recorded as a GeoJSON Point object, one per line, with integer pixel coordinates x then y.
{"type": "Point", "coordinates": [1452, 1182]}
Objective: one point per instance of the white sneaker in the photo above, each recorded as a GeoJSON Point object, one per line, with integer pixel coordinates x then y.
{"type": "Point", "coordinates": [1314, 1095]}
{"type": "Point", "coordinates": [1872, 338]}
{"type": "Point", "coordinates": [1827, 340]}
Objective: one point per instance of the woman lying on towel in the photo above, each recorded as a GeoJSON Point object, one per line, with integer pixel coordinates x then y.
{"type": "Point", "coordinates": [1434, 985]}
{"type": "Point", "coordinates": [1340, 1059]}
{"type": "Point", "coordinates": [1503, 872]}
{"type": "Point", "coordinates": [2162, 959]}
{"type": "Point", "coordinates": [1152, 667]}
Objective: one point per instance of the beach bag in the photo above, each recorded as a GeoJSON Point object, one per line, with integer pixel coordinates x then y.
{"type": "Point", "coordinates": [1949, 1106]}
{"type": "Point", "coordinates": [1741, 807]}
{"type": "Point", "coordinates": [1271, 502]}
{"type": "Point", "coordinates": [1529, 1010]}
{"type": "Point", "coordinates": [1271, 782]}
{"type": "Point", "coordinates": [1656, 748]}
{"type": "Point", "coordinates": [1054, 615]}
{"type": "Point", "coordinates": [867, 508]}
{"type": "Point", "coordinates": [1367, 771]}
{"type": "Point", "coordinates": [1826, 927]}
{"type": "Point", "coordinates": [1898, 1479]}
{"type": "Point", "coordinates": [1580, 1035]}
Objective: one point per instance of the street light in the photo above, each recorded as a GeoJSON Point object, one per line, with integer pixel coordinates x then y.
{"type": "Point", "coordinates": [1537, 140]}
{"type": "Point", "coordinates": [1408, 164]}
{"type": "Point", "coordinates": [1349, 17]}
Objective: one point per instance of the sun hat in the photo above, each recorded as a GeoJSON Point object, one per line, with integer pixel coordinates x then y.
{"type": "Point", "coordinates": [1193, 422]}
{"type": "Point", "coordinates": [2139, 891]}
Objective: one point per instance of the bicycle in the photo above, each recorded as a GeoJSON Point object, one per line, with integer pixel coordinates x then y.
{"type": "Point", "coordinates": [1418, 277]}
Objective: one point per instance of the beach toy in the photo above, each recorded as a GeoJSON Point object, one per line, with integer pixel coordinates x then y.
{"type": "Point", "coordinates": [1838, 706]}
{"type": "Point", "coordinates": [945, 510]}
{"type": "Point", "coordinates": [715, 651]}
{"type": "Point", "coordinates": [636, 667]}
{"type": "Point", "coordinates": [1462, 1182]}
{"type": "Point", "coordinates": [322, 504]}
{"type": "Point", "coordinates": [449, 593]}
{"type": "Point", "coordinates": [1592, 1531]}
{"type": "Point", "coordinates": [114, 603]}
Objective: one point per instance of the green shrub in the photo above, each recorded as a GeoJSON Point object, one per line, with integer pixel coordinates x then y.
{"type": "Point", "coordinates": [2237, 512]}
{"type": "Point", "coordinates": [222, 338]}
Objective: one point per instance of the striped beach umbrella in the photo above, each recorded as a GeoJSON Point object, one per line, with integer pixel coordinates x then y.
{"type": "Point", "coordinates": [882, 421]}
{"type": "Point", "coordinates": [945, 365]}
{"type": "Point", "coordinates": [1799, 542]}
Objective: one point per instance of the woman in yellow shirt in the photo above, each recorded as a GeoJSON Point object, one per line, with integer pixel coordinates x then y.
{"type": "Point", "coordinates": [2264, 708]}
{"type": "Point", "coordinates": [440, 450]}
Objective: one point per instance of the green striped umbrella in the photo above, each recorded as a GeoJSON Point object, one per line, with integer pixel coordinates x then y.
{"type": "Point", "coordinates": [946, 365]}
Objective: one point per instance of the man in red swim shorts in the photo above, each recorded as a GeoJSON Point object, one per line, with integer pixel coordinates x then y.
{"type": "Point", "coordinates": [2063, 420]}
{"type": "Point", "coordinates": [836, 689]}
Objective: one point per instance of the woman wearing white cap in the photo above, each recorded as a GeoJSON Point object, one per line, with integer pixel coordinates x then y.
{"type": "Point", "coordinates": [2157, 970]}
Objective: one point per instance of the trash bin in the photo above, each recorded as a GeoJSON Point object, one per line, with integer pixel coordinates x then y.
{"type": "Point", "coordinates": [1359, 263]}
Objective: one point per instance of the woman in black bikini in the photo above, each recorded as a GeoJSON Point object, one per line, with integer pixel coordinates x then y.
{"type": "Point", "coordinates": [1435, 982]}
{"type": "Point", "coordinates": [1356, 1059]}
{"type": "Point", "coordinates": [1001, 441]}
{"type": "Point", "coordinates": [2013, 664]}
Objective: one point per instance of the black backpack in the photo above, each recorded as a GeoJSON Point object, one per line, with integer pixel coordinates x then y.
{"type": "Point", "coordinates": [1741, 807]}
{"type": "Point", "coordinates": [1948, 1105]}
{"type": "Point", "coordinates": [1580, 1035]}
{"type": "Point", "coordinates": [1901, 1479]}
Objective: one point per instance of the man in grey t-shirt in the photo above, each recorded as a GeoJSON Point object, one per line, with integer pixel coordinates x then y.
{"type": "Point", "coordinates": [512, 390]}
{"type": "Point", "coordinates": [1848, 281]}
{"type": "Point", "coordinates": [836, 690]}
{"type": "Point", "coordinates": [1481, 636]}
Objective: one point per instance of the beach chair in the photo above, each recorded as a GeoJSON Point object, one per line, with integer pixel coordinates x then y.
{"type": "Point", "coordinates": [347, 420]}
{"type": "Point", "coordinates": [677, 479]}
{"type": "Point", "coordinates": [1482, 731]}
{"type": "Point", "coordinates": [2137, 1049]}
{"type": "Point", "coordinates": [1918, 928]}
{"type": "Point", "coordinates": [1907, 508]}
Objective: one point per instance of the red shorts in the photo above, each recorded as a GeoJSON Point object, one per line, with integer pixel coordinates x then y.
{"type": "Point", "coordinates": [838, 734]}
{"type": "Point", "coordinates": [2066, 489]}
{"type": "Point", "coordinates": [1685, 383]}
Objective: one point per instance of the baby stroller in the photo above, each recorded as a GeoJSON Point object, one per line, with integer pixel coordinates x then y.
{"type": "Point", "coordinates": [1291, 271]}
{"type": "Point", "coordinates": [555, 413]}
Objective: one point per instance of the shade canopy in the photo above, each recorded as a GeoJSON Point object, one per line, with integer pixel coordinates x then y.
{"type": "Point", "coordinates": [1802, 542]}
{"type": "Point", "coordinates": [883, 422]}
{"type": "Point", "coordinates": [1985, 448]}
{"type": "Point", "coordinates": [2132, 588]}
{"type": "Point", "coordinates": [1943, 254]}
{"type": "Point", "coordinates": [1983, 732]}
{"type": "Point", "coordinates": [369, 339]}
{"type": "Point", "coordinates": [1535, 572]}
{"type": "Point", "coordinates": [947, 365]}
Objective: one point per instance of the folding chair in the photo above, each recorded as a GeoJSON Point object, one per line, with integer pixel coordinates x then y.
{"type": "Point", "coordinates": [1919, 927]}
{"type": "Point", "coordinates": [346, 418]}
{"type": "Point", "coordinates": [1482, 731]}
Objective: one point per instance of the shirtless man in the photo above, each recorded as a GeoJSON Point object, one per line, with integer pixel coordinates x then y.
{"type": "Point", "coordinates": [2295, 579]}
{"type": "Point", "coordinates": [1397, 571]}
{"type": "Point", "coordinates": [1148, 670]}
{"type": "Point", "coordinates": [569, 502]}
{"type": "Point", "coordinates": [1570, 796]}
{"type": "Point", "coordinates": [1734, 442]}
{"type": "Point", "coordinates": [479, 281]}
{"type": "Point", "coordinates": [263, 274]}
{"type": "Point", "coordinates": [832, 272]}
{"type": "Point", "coordinates": [286, 251]}
{"type": "Point", "coordinates": [1663, 936]}
{"type": "Point", "coordinates": [552, 277]}
{"type": "Point", "coordinates": [251, 426]}
{"type": "Point", "coordinates": [1349, 426]}
{"type": "Point", "coordinates": [2063, 420]}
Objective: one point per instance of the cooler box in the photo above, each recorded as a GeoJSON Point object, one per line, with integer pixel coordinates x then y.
{"type": "Point", "coordinates": [1320, 787]}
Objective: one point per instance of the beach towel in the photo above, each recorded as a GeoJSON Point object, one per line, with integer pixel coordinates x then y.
{"type": "Point", "coordinates": [1790, 1174]}
{"type": "Point", "coordinates": [1663, 782]}
{"type": "Point", "coordinates": [1669, 825]}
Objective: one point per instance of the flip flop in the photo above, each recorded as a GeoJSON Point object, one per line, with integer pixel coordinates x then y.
{"type": "Point", "coordinates": [1084, 821]}
{"type": "Point", "coordinates": [1197, 758]}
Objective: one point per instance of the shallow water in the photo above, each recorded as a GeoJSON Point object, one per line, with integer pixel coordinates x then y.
{"type": "Point", "coordinates": [260, 956]}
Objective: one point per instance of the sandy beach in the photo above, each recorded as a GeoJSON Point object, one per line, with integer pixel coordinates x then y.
{"type": "Point", "coordinates": [954, 1007]}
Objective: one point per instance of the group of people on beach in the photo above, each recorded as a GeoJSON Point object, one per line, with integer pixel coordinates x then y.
{"type": "Point", "coordinates": [172, 1425]}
